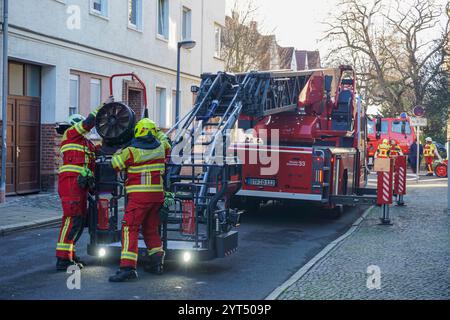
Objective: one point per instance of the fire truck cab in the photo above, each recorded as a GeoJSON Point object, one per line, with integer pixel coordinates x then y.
{"type": "Point", "coordinates": [398, 129]}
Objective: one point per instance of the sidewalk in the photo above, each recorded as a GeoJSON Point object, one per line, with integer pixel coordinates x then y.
{"type": "Point", "coordinates": [25, 212]}
{"type": "Point", "coordinates": [413, 255]}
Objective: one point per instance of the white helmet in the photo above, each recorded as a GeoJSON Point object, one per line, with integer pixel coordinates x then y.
{"type": "Point", "coordinates": [429, 139]}
{"type": "Point", "coordinates": [75, 118]}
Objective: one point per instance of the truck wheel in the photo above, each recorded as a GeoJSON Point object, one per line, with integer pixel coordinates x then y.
{"type": "Point", "coordinates": [247, 204]}
{"type": "Point", "coordinates": [336, 212]}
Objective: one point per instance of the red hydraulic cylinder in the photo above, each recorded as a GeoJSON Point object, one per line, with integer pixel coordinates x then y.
{"type": "Point", "coordinates": [188, 217]}
{"type": "Point", "coordinates": [385, 184]}
{"type": "Point", "coordinates": [400, 176]}
{"type": "Point", "coordinates": [103, 214]}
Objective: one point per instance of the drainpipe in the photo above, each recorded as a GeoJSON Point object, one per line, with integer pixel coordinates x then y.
{"type": "Point", "coordinates": [4, 101]}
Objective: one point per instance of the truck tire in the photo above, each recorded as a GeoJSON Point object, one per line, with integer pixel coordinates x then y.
{"type": "Point", "coordinates": [249, 205]}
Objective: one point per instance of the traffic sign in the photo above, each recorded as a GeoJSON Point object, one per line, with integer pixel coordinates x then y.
{"type": "Point", "coordinates": [418, 122]}
{"type": "Point", "coordinates": [419, 111]}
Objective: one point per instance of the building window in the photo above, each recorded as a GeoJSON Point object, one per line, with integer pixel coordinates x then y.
{"type": "Point", "coordinates": [16, 76]}
{"type": "Point", "coordinates": [161, 107]}
{"type": "Point", "coordinates": [163, 18]}
{"type": "Point", "coordinates": [33, 80]}
{"type": "Point", "coordinates": [186, 24]}
{"type": "Point", "coordinates": [217, 41]}
{"type": "Point", "coordinates": [74, 94]}
{"type": "Point", "coordinates": [96, 93]}
{"type": "Point", "coordinates": [135, 14]}
{"type": "Point", "coordinates": [99, 7]}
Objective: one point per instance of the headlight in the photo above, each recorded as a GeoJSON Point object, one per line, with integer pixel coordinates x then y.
{"type": "Point", "coordinates": [102, 253]}
{"type": "Point", "coordinates": [187, 257]}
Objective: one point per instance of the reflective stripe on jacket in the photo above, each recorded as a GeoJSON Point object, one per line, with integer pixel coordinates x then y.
{"type": "Point", "coordinates": [395, 151]}
{"type": "Point", "coordinates": [429, 150]}
{"type": "Point", "coordinates": [383, 150]}
{"type": "Point", "coordinates": [144, 168]}
{"type": "Point", "coordinates": [77, 151]}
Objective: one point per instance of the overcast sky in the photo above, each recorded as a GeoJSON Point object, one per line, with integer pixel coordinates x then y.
{"type": "Point", "coordinates": [296, 23]}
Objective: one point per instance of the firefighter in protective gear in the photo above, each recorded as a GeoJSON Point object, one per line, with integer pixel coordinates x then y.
{"type": "Point", "coordinates": [144, 162]}
{"type": "Point", "coordinates": [384, 149]}
{"type": "Point", "coordinates": [159, 135]}
{"type": "Point", "coordinates": [395, 150]}
{"type": "Point", "coordinates": [78, 155]}
{"type": "Point", "coordinates": [430, 152]}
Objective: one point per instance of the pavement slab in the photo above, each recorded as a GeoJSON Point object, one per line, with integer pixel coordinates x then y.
{"type": "Point", "coordinates": [31, 211]}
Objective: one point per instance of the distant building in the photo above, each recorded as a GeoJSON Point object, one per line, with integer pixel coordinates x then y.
{"type": "Point", "coordinates": [61, 53]}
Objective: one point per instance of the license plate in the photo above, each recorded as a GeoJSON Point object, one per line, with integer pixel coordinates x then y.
{"type": "Point", "coordinates": [261, 182]}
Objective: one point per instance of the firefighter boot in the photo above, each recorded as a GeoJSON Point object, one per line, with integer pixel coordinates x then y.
{"type": "Point", "coordinates": [155, 263]}
{"type": "Point", "coordinates": [63, 264]}
{"type": "Point", "coordinates": [124, 274]}
{"type": "Point", "coordinates": [79, 262]}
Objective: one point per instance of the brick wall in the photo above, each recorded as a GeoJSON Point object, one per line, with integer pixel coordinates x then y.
{"type": "Point", "coordinates": [50, 158]}
{"type": "Point", "coordinates": [134, 97]}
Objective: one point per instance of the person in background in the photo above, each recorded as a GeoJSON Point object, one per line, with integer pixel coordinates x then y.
{"type": "Point", "coordinates": [395, 150]}
{"type": "Point", "coordinates": [384, 149]}
{"type": "Point", "coordinates": [412, 156]}
{"type": "Point", "coordinates": [430, 152]}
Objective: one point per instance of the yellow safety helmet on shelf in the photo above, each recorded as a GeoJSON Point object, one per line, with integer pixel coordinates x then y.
{"type": "Point", "coordinates": [144, 127]}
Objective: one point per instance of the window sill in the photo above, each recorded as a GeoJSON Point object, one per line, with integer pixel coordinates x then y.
{"type": "Point", "coordinates": [98, 15]}
{"type": "Point", "coordinates": [162, 38]}
{"type": "Point", "coordinates": [135, 28]}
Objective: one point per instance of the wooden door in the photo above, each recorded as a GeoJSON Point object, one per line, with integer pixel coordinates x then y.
{"type": "Point", "coordinates": [23, 161]}
{"type": "Point", "coordinates": [28, 133]}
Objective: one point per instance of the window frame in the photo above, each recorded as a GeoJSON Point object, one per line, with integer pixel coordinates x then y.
{"type": "Point", "coordinates": [139, 14]}
{"type": "Point", "coordinates": [105, 9]}
{"type": "Point", "coordinates": [78, 79]}
{"type": "Point", "coordinates": [185, 10]}
{"type": "Point", "coordinates": [166, 31]}
{"type": "Point", "coordinates": [218, 54]}
{"type": "Point", "coordinates": [99, 83]}
{"type": "Point", "coordinates": [158, 106]}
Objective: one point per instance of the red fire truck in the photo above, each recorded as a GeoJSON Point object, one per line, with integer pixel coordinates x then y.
{"type": "Point", "coordinates": [398, 129]}
{"type": "Point", "coordinates": [319, 154]}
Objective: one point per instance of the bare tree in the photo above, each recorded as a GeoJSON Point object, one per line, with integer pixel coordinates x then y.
{"type": "Point", "coordinates": [390, 46]}
{"type": "Point", "coordinates": [244, 47]}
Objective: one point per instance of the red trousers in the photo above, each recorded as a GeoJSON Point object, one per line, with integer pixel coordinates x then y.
{"type": "Point", "coordinates": [142, 211]}
{"type": "Point", "coordinates": [74, 204]}
{"type": "Point", "coordinates": [429, 161]}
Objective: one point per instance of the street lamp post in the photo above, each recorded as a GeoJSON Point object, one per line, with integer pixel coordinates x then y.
{"type": "Point", "coordinates": [188, 44]}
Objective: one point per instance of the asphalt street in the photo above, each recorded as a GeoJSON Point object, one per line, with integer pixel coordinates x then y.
{"type": "Point", "coordinates": [273, 244]}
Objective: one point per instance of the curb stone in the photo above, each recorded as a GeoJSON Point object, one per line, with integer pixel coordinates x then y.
{"type": "Point", "coordinates": [5, 230]}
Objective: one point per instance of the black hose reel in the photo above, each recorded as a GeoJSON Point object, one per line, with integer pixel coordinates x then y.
{"type": "Point", "coordinates": [115, 124]}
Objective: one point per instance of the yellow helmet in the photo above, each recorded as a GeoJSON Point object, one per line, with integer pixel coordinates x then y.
{"type": "Point", "coordinates": [144, 127]}
{"type": "Point", "coordinates": [385, 141]}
